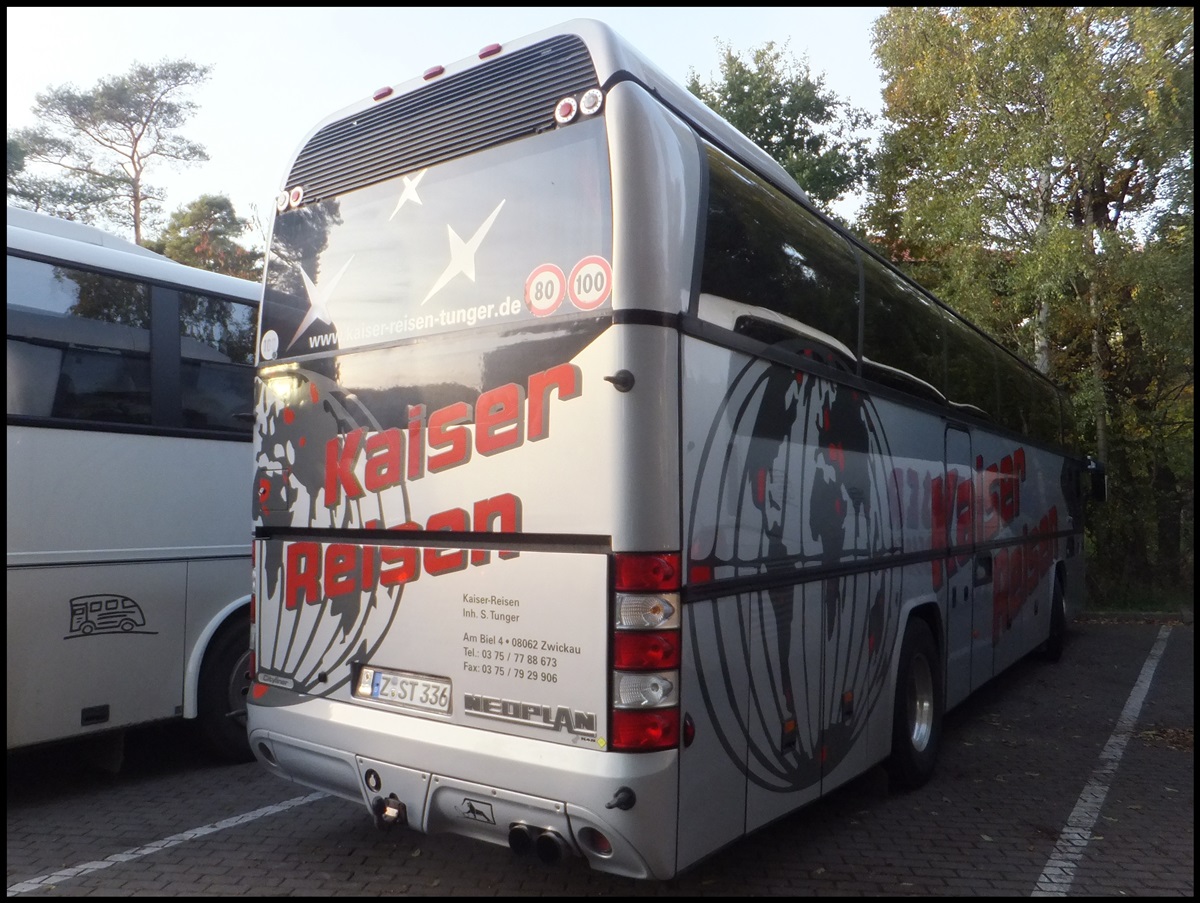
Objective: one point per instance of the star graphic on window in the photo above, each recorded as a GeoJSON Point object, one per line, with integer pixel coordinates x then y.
{"type": "Point", "coordinates": [410, 192]}
{"type": "Point", "coordinates": [462, 254]}
{"type": "Point", "coordinates": [318, 300]}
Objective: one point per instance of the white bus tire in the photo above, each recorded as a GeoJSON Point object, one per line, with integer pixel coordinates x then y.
{"type": "Point", "coordinates": [919, 705]}
{"type": "Point", "coordinates": [221, 694]}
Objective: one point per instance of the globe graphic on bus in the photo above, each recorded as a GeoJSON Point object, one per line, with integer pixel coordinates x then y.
{"type": "Point", "coordinates": [794, 481]}
{"type": "Point", "coordinates": [315, 642]}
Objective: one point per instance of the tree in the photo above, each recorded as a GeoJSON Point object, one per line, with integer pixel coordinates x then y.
{"type": "Point", "coordinates": [1036, 170]}
{"type": "Point", "coordinates": [204, 234]}
{"type": "Point", "coordinates": [105, 140]}
{"type": "Point", "coordinates": [69, 196]}
{"type": "Point", "coordinates": [774, 100]}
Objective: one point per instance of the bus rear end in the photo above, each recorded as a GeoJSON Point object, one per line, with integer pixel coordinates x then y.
{"type": "Point", "coordinates": [467, 486]}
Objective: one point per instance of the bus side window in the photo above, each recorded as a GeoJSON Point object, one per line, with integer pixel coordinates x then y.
{"type": "Point", "coordinates": [84, 338]}
{"type": "Point", "coordinates": [217, 345]}
{"type": "Point", "coordinates": [763, 250]}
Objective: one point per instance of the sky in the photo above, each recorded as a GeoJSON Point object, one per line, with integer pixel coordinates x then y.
{"type": "Point", "coordinates": [276, 73]}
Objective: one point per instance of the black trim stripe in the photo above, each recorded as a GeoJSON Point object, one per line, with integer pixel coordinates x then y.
{"type": "Point", "coordinates": [782, 574]}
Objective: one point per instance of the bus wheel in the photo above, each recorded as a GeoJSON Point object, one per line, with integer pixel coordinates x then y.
{"type": "Point", "coordinates": [1052, 649]}
{"type": "Point", "coordinates": [224, 685]}
{"type": "Point", "coordinates": [917, 716]}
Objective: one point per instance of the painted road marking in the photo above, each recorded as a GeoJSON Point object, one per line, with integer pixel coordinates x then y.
{"type": "Point", "coordinates": [86, 868]}
{"type": "Point", "coordinates": [1059, 873]}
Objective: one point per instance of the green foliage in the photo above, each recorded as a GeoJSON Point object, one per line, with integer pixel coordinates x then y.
{"type": "Point", "coordinates": [204, 234]}
{"type": "Point", "coordinates": [69, 195]}
{"type": "Point", "coordinates": [104, 140]}
{"type": "Point", "coordinates": [1037, 172]}
{"type": "Point", "coordinates": [774, 100]}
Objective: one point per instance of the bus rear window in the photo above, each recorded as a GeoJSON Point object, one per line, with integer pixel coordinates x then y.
{"type": "Point", "coordinates": [496, 238]}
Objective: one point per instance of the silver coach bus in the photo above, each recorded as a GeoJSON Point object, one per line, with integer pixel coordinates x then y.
{"type": "Point", "coordinates": [611, 501]}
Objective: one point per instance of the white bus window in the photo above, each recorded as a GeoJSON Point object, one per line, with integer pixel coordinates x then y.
{"type": "Point", "coordinates": [217, 347]}
{"type": "Point", "coordinates": [82, 339]}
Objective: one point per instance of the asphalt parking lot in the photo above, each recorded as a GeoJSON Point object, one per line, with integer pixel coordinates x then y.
{"type": "Point", "coordinates": [1068, 779]}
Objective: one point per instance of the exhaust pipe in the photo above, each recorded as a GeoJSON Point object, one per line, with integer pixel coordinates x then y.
{"type": "Point", "coordinates": [550, 847]}
{"type": "Point", "coordinates": [521, 838]}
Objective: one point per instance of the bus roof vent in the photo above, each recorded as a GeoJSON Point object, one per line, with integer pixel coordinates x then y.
{"type": "Point", "coordinates": [509, 97]}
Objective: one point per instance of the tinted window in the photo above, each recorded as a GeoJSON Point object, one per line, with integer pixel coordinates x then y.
{"type": "Point", "coordinates": [218, 348]}
{"type": "Point", "coordinates": [764, 249]}
{"type": "Point", "coordinates": [78, 344]}
{"type": "Point", "coordinates": [970, 370]}
{"type": "Point", "coordinates": [1044, 412]}
{"type": "Point", "coordinates": [79, 349]}
{"type": "Point", "coordinates": [500, 238]}
{"type": "Point", "coordinates": [902, 334]}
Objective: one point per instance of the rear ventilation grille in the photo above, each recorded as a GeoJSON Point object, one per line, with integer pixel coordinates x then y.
{"type": "Point", "coordinates": [508, 98]}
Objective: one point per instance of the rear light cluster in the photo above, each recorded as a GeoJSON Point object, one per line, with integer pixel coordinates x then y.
{"type": "Point", "coordinates": [646, 652]}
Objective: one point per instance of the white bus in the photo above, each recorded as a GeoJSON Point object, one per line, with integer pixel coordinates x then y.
{"type": "Point", "coordinates": [613, 502]}
{"type": "Point", "coordinates": [130, 400]}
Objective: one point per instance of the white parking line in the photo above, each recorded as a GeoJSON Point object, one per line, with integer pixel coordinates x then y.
{"type": "Point", "coordinates": [58, 877]}
{"type": "Point", "coordinates": [1059, 872]}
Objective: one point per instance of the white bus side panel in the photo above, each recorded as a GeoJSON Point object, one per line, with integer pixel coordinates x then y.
{"type": "Point", "coordinates": [86, 638]}
{"type": "Point", "coordinates": [110, 587]}
{"type": "Point", "coordinates": [125, 496]}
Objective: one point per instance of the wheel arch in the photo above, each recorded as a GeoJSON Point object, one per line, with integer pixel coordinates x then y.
{"type": "Point", "coordinates": [191, 674]}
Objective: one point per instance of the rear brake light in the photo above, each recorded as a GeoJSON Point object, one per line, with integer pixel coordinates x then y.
{"type": "Point", "coordinates": [253, 611]}
{"type": "Point", "coordinates": [648, 572]}
{"type": "Point", "coordinates": [637, 731]}
{"type": "Point", "coordinates": [651, 650]}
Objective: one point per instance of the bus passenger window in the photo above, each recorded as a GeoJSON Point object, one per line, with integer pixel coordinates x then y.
{"type": "Point", "coordinates": [217, 346]}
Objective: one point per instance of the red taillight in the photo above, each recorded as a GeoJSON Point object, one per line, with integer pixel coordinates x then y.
{"type": "Point", "coordinates": [649, 651]}
{"type": "Point", "coordinates": [654, 572]}
{"type": "Point", "coordinates": [644, 731]}
{"type": "Point", "coordinates": [646, 651]}
{"type": "Point", "coordinates": [253, 610]}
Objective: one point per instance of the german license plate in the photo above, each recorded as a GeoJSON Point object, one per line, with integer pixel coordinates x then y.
{"type": "Point", "coordinates": [414, 691]}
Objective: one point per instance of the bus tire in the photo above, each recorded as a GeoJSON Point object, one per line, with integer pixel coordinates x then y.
{"type": "Point", "coordinates": [1051, 649]}
{"type": "Point", "coordinates": [919, 704]}
{"type": "Point", "coordinates": [224, 685]}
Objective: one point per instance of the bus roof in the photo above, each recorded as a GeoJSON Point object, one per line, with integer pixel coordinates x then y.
{"type": "Point", "coordinates": [52, 238]}
{"type": "Point", "coordinates": [614, 59]}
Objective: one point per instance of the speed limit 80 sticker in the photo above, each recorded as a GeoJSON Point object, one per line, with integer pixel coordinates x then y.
{"type": "Point", "coordinates": [545, 289]}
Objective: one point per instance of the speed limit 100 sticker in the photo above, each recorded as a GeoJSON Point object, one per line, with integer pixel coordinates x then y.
{"type": "Point", "coordinates": [545, 289]}
{"type": "Point", "coordinates": [590, 283]}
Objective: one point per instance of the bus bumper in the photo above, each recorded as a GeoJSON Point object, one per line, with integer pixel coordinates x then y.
{"type": "Point", "coordinates": [616, 810]}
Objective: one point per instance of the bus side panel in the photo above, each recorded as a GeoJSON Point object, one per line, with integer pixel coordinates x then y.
{"type": "Point", "coordinates": [137, 497]}
{"type": "Point", "coordinates": [791, 481]}
{"type": "Point", "coordinates": [1023, 507]}
{"type": "Point", "coordinates": [212, 585]}
{"type": "Point", "coordinates": [715, 690]}
{"type": "Point", "coordinates": [100, 647]}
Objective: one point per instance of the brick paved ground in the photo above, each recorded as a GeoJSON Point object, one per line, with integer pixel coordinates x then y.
{"type": "Point", "coordinates": [1016, 760]}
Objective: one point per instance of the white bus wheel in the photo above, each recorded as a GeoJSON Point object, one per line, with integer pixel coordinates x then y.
{"type": "Point", "coordinates": [221, 695]}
